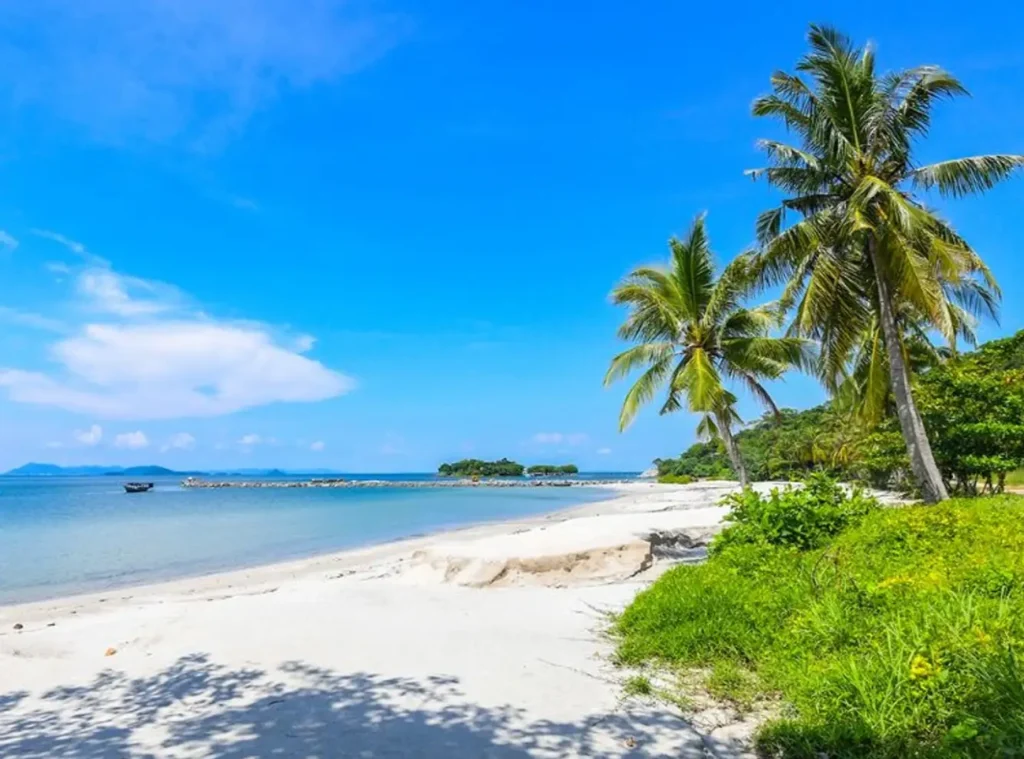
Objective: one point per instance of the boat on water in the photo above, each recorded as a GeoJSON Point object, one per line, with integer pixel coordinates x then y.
{"type": "Point", "coordinates": [138, 487]}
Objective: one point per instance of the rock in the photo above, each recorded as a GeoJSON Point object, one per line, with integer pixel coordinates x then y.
{"type": "Point", "coordinates": [110, 651]}
{"type": "Point", "coordinates": [19, 626]}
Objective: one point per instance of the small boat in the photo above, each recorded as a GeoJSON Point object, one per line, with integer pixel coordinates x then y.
{"type": "Point", "coordinates": [138, 487]}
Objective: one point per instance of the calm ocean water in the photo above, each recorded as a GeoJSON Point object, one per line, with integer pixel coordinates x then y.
{"type": "Point", "coordinates": [65, 535]}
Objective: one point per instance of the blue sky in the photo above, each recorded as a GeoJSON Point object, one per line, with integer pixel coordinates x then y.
{"type": "Point", "coordinates": [376, 236]}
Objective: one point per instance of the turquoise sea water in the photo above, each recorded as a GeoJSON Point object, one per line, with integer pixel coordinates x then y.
{"type": "Point", "coordinates": [60, 536]}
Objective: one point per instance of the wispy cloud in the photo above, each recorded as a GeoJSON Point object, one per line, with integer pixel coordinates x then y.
{"type": "Point", "coordinates": [251, 439]}
{"type": "Point", "coordinates": [7, 242]}
{"type": "Point", "coordinates": [108, 292]}
{"type": "Point", "coordinates": [604, 451]}
{"type": "Point", "coordinates": [317, 446]}
{"type": "Point", "coordinates": [131, 440]}
{"type": "Point", "coordinates": [73, 245]}
{"type": "Point", "coordinates": [91, 436]}
{"type": "Point", "coordinates": [31, 319]}
{"type": "Point", "coordinates": [189, 70]}
{"type": "Point", "coordinates": [58, 267]}
{"type": "Point", "coordinates": [558, 438]}
{"type": "Point", "coordinates": [156, 356]}
{"type": "Point", "coordinates": [181, 441]}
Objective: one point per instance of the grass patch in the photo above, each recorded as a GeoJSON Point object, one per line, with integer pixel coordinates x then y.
{"type": "Point", "coordinates": [675, 479]}
{"type": "Point", "coordinates": [900, 636]}
{"type": "Point", "coordinates": [1015, 478]}
{"type": "Point", "coordinates": [638, 685]}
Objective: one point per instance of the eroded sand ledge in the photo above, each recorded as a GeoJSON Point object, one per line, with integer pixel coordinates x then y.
{"type": "Point", "coordinates": [481, 642]}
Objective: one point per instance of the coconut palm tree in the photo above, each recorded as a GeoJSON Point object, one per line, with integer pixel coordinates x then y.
{"type": "Point", "coordinates": [693, 336]}
{"type": "Point", "coordinates": [864, 247]}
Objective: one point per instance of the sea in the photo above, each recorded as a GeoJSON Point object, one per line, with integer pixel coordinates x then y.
{"type": "Point", "coordinates": [63, 536]}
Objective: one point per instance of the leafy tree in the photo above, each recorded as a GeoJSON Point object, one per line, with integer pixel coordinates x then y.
{"type": "Point", "coordinates": [693, 335]}
{"type": "Point", "coordinates": [865, 249]}
{"type": "Point", "coordinates": [974, 405]}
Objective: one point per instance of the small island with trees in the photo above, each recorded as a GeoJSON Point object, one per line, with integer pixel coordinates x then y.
{"type": "Point", "coordinates": [504, 468]}
{"type": "Point", "coordinates": [552, 470]}
{"type": "Point", "coordinates": [477, 468]}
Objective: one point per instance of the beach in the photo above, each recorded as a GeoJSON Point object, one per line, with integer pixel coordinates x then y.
{"type": "Point", "coordinates": [485, 641]}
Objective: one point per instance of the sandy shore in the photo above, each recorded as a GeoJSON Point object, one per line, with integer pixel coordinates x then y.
{"type": "Point", "coordinates": [483, 642]}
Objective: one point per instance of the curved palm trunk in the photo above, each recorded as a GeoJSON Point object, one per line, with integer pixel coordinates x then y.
{"type": "Point", "coordinates": [922, 462]}
{"type": "Point", "coordinates": [731, 448]}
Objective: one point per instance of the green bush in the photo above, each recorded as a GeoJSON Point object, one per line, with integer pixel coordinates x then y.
{"type": "Point", "coordinates": [902, 637]}
{"type": "Point", "coordinates": [675, 479]}
{"type": "Point", "coordinates": [802, 517]}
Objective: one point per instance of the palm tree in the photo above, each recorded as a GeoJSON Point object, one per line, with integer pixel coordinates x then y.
{"type": "Point", "coordinates": [865, 248]}
{"type": "Point", "coordinates": [692, 335]}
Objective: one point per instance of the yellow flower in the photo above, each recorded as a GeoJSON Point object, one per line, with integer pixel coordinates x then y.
{"type": "Point", "coordinates": [921, 668]}
{"type": "Point", "coordinates": [983, 638]}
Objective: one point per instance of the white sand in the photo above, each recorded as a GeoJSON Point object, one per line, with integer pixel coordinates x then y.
{"type": "Point", "coordinates": [398, 650]}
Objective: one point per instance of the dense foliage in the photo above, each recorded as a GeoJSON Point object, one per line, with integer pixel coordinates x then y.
{"type": "Point", "coordinates": [902, 636]}
{"type": "Point", "coordinates": [548, 470]}
{"type": "Point", "coordinates": [478, 468]}
{"type": "Point", "coordinates": [973, 407]}
{"type": "Point", "coordinates": [972, 404]}
{"type": "Point", "coordinates": [784, 446]}
{"type": "Point", "coordinates": [798, 517]}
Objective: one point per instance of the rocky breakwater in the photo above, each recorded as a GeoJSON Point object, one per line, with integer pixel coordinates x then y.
{"type": "Point", "coordinates": [193, 482]}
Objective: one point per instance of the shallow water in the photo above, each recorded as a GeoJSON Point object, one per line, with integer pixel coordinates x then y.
{"type": "Point", "coordinates": [60, 536]}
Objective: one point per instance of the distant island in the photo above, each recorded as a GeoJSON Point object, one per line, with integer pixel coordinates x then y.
{"type": "Point", "coordinates": [552, 470]}
{"type": "Point", "coordinates": [478, 468]}
{"type": "Point", "coordinates": [503, 468]}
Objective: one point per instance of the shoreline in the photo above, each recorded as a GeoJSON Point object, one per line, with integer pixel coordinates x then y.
{"type": "Point", "coordinates": [295, 568]}
{"type": "Point", "coordinates": [488, 640]}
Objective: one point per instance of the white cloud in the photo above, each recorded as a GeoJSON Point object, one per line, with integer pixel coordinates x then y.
{"type": "Point", "coordinates": [91, 436]}
{"type": "Point", "coordinates": [7, 241]}
{"type": "Point", "coordinates": [156, 356]}
{"type": "Point", "coordinates": [173, 369]}
{"type": "Point", "coordinates": [603, 451]}
{"type": "Point", "coordinates": [131, 440]}
{"type": "Point", "coordinates": [181, 441]}
{"type": "Point", "coordinates": [554, 438]}
{"type": "Point", "coordinates": [108, 292]}
{"type": "Point", "coordinates": [251, 439]}
{"type": "Point", "coordinates": [73, 245]}
{"type": "Point", "coordinates": [55, 444]}
{"type": "Point", "coordinates": [192, 71]}
{"type": "Point", "coordinates": [317, 446]}
{"type": "Point", "coordinates": [58, 267]}
{"type": "Point", "coordinates": [304, 343]}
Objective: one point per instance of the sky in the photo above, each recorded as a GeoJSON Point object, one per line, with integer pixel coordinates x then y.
{"type": "Point", "coordinates": [375, 236]}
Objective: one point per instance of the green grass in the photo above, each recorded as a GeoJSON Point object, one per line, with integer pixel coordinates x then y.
{"type": "Point", "coordinates": [902, 637]}
{"type": "Point", "coordinates": [638, 685]}
{"type": "Point", "coordinates": [675, 479]}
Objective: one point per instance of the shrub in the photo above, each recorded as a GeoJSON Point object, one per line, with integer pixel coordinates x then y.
{"type": "Point", "coordinates": [801, 517]}
{"type": "Point", "coordinates": [902, 637]}
{"type": "Point", "coordinates": [675, 479]}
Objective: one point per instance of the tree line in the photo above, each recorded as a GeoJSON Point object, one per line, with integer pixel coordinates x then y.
{"type": "Point", "coordinates": [867, 271]}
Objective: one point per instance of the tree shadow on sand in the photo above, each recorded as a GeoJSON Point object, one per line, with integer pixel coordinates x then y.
{"type": "Point", "coordinates": [197, 708]}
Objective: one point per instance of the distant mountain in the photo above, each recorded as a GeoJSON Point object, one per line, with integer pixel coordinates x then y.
{"type": "Point", "coordinates": [53, 470]}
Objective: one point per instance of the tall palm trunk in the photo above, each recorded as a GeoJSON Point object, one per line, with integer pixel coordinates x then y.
{"type": "Point", "coordinates": [922, 462]}
{"type": "Point", "coordinates": [731, 447]}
